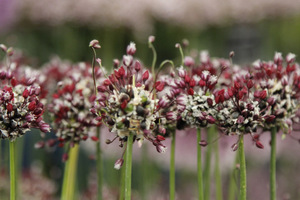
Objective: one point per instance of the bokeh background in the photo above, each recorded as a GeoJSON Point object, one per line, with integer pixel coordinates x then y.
{"type": "Point", "coordinates": [252, 29]}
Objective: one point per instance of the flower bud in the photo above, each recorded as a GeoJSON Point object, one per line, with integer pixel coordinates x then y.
{"type": "Point", "coordinates": [145, 75]}
{"type": "Point", "coordinates": [94, 44]}
{"type": "Point", "coordinates": [151, 39]}
{"type": "Point", "coordinates": [189, 61]}
{"type": "Point", "coordinates": [119, 163]}
{"type": "Point", "coordinates": [259, 144]}
{"type": "Point", "coordinates": [203, 143]}
{"type": "Point", "coordinates": [131, 49]}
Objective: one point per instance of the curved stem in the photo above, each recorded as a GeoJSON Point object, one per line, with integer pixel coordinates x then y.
{"type": "Point", "coordinates": [243, 179]}
{"type": "Point", "coordinates": [12, 166]}
{"type": "Point", "coordinates": [154, 58]}
{"type": "Point", "coordinates": [199, 166]}
{"type": "Point", "coordinates": [273, 165]}
{"type": "Point", "coordinates": [128, 165]}
{"type": "Point", "coordinates": [99, 165]}
{"type": "Point", "coordinates": [207, 167]}
{"type": "Point", "coordinates": [70, 174]}
{"type": "Point", "coordinates": [218, 176]}
{"type": "Point", "coordinates": [232, 188]}
{"type": "Point", "coordinates": [172, 167]}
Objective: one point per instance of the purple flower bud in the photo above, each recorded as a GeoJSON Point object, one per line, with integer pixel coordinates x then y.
{"type": "Point", "coordinates": [119, 163]}
{"type": "Point", "coordinates": [94, 44]}
{"type": "Point", "coordinates": [171, 115]}
{"type": "Point", "coordinates": [162, 130]}
{"type": "Point", "coordinates": [269, 118]}
{"type": "Point", "coordinates": [131, 49]}
{"type": "Point", "coordinates": [116, 63]}
{"type": "Point", "coordinates": [203, 143]}
{"type": "Point", "coordinates": [137, 66]}
{"type": "Point", "coordinates": [240, 119]}
{"type": "Point", "coordinates": [271, 101]}
{"type": "Point", "coordinates": [182, 99]}
{"type": "Point", "coordinates": [44, 127]}
{"type": "Point", "coordinates": [234, 147]}
{"type": "Point", "coordinates": [30, 117]}
{"type": "Point", "coordinates": [181, 72]}
{"type": "Point", "coordinates": [127, 60]}
{"type": "Point", "coordinates": [160, 148]}
{"type": "Point", "coordinates": [163, 102]}
{"type": "Point", "coordinates": [290, 57]}
{"type": "Point", "coordinates": [3, 47]}
{"type": "Point", "coordinates": [189, 61]}
{"type": "Point", "coordinates": [278, 58]}
{"type": "Point", "coordinates": [2, 75]}
{"type": "Point", "coordinates": [151, 39]}
{"type": "Point", "coordinates": [210, 119]}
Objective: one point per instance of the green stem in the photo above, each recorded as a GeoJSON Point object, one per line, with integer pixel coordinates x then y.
{"type": "Point", "coordinates": [199, 166]}
{"type": "Point", "coordinates": [128, 165]}
{"type": "Point", "coordinates": [172, 167]}
{"type": "Point", "coordinates": [207, 166]}
{"type": "Point", "coordinates": [70, 174]}
{"type": "Point", "coordinates": [154, 58]}
{"type": "Point", "coordinates": [144, 172]}
{"type": "Point", "coordinates": [243, 179]}
{"type": "Point", "coordinates": [232, 188]}
{"type": "Point", "coordinates": [99, 165]}
{"type": "Point", "coordinates": [122, 188]}
{"type": "Point", "coordinates": [273, 165]}
{"type": "Point", "coordinates": [218, 176]}
{"type": "Point", "coordinates": [12, 159]}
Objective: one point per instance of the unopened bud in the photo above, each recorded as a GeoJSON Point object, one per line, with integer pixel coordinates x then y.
{"type": "Point", "coordinates": [95, 44]}
{"type": "Point", "coordinates": [203, 143]}
{"type": "Point", "coordinates": [231, 54]}
{"type": "Point", "coordinates": [119, 163]}
{"type": "Point", "coordinates": [151, 39]}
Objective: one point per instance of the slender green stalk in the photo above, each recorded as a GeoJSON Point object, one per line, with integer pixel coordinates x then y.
{"type": "Point", "coordinates": [144, 172]}
{"type": "Point", "coordinates": [172, 167]}
{"type": "Point", "coordinates": [12, 166]}
{"type": "Point", "coordinates": [99, 165]}
{"type": "Point", "coordinates": [273, 165]}
{"type": "Point", "coordinates": [207, 171]}
{"type": "Point", "coordinates": [70, 174]}
{"type": "Point", "coordinates": [128, 169]}
{"type": "Point", "coordinates": [199, 166]}
{"type": "Point", "coordinates": [218, 176]}
{"type": "Point", "coordinates": [122, 188]}
{"type": "Point", "coordinates": [232, 188]}
{"type": "Point", "coordinates": [243, 179]}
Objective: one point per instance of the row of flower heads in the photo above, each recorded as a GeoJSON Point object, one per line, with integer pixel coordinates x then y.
{"type": "Point", "coordinates": [200, 92]}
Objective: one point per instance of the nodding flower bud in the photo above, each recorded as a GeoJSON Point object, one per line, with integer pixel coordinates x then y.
{"type": "Point", "coordinates": [119, 163]}
{"type": "Point", "coordinates": [131, 49]}
{"type": "Point", "coordinates": [151, 39]}
{"type": "Point", "coordinates": [3, 47]}
{"type": "Point", "coordinates": [259, 144]}
{"type": "Point", "coordinates": [94, 44]}
{"type": "Point", "coordinates": [234, 147]}
{"type": "Point", "coordinates": [160, 148]}
{"type": "Point", "coordinates": [10, 51]}
{"type": "Point", "coordinates": [231, 54]}
{"type": "Point", "coordinates": [203, 143]}
{"type": "Point", "coordinates": [177, 45]}
{"type": "Point", "coordinates": [95, 138]}
{"type": "Point", "coordinates": [162, 130]}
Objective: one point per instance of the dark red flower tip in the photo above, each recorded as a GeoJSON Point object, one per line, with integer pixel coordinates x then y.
{"type": "Point", "coordinates": [9, 107]}
{"type": "Point", "coordinates": [259, 144]}
{"type": "Point", "coordinates": [137, 66]}
{"type": "Point", "coordinates": [269, 118]}
{"type": "Point", "coordinates": [159, 86]}
{"type": "Point", "coordinates": [25, 93]}
{"type": "Point", "coordinates": [192, 83]}
{"type": "Point", "coordinates": [95, 138]}
{"type": "Point", "coordinates": [202, 83]}
{"type": "Point", "coordinates": [13, 82]}
{"type": "Point", "coordinates": [210, 102]}
{"type": "Point", "coordinates": [121, 71]}
{"type": "Point", "coordinates": [123, 105]}
{"type": "Point", "coordinates": [32, 106]}
{"type": "Point", "coordinates": [145, 75]}
{"type": "Point", "coordinates": [106, 82]}
{"type": "Point", "coordinates": [160, 138]}
{"type": "Point", "coordinates": [61, 145]}
{"type": "Point", "coordinates": [190, 91]}
{"type": "Point", "coordinates": [85, 137]}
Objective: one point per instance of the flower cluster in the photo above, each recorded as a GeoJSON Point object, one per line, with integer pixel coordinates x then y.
{"type": "Point", "coordinates": [126, 102]}
{"type": "Point", "coordinates": [20, 105]}
{"type": "Point", "coordinates": [279, 86]}
{"type": "Point", "coordinates": [70, 105]}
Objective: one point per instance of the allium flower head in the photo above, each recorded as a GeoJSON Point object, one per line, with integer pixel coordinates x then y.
{"type": "Point", "coordinates": [71, 103]}
{"type": "Point", "coordinates": [279, 91]}
{"type": "Point", "coordinates": [126, 101]}
{"type": "Point", "coordinates": [20, 106]}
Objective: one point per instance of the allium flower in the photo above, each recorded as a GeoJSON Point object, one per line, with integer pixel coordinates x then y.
{"type": "Point", "coordinates": [278, 91]}
{"type": "Point", "coordinates": [20, 106]}
{"type": "Point", "coordinates": [71, 103]}
{"type": "Point", "coordinates": [126, 102]}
